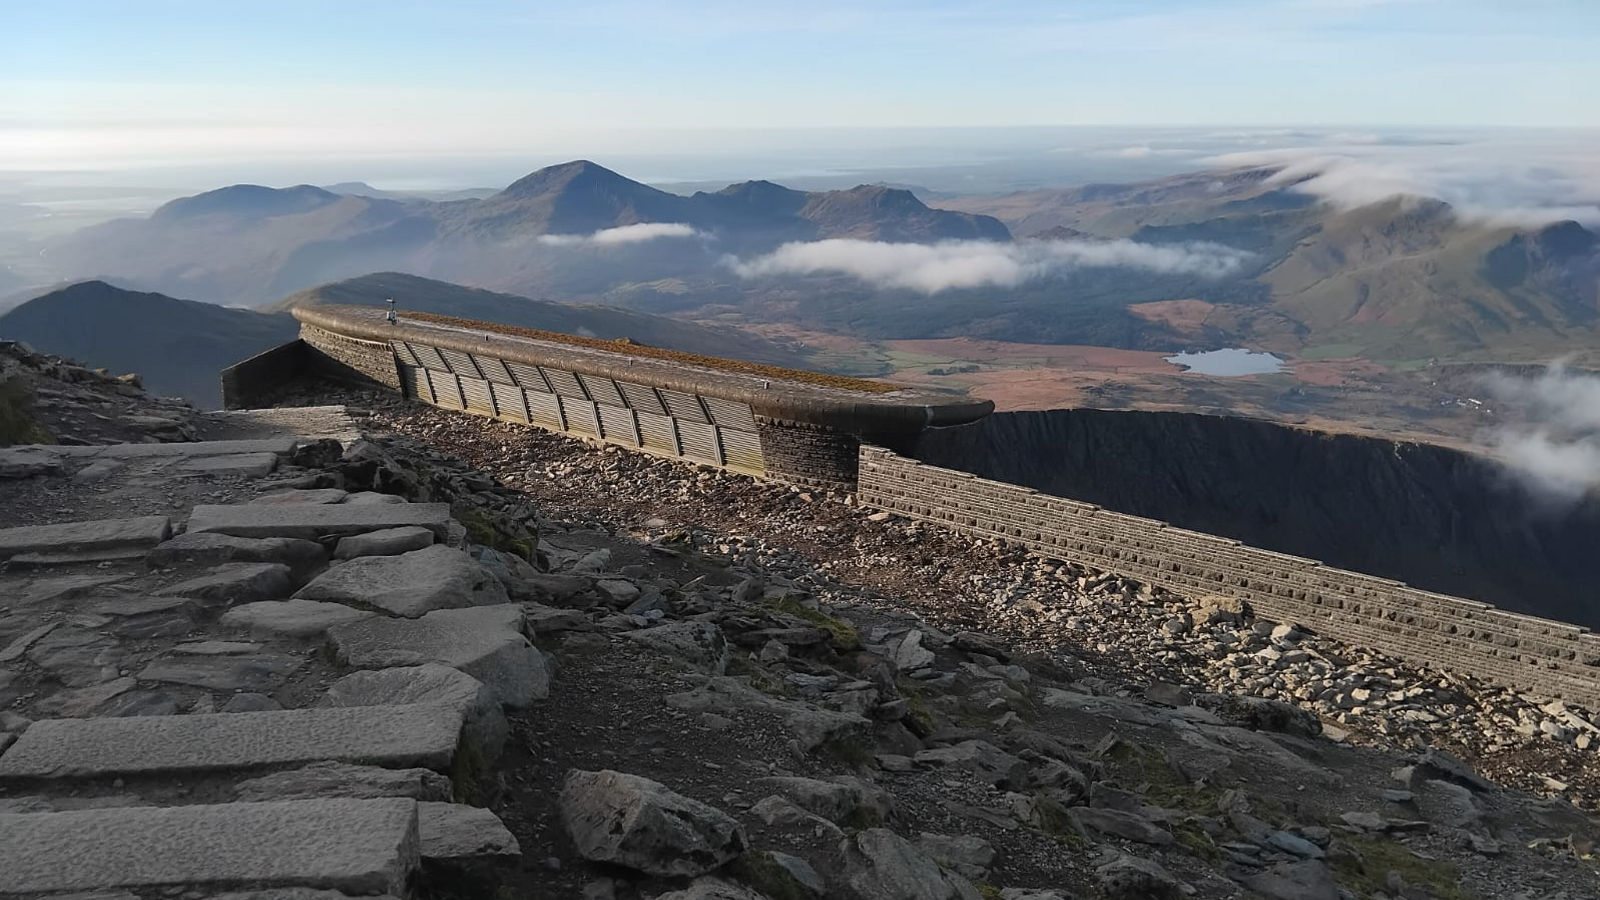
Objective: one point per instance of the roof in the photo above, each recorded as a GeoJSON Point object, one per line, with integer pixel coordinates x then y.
{"type": "Point", "coordinates": [847, 404]}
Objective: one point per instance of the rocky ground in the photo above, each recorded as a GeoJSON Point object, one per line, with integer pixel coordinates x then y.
{"type": "Point", "coordinates": [50, 399]}
{"type": "Point", "coordinates": [1096, 658]}
{"type": "Point", "coordinates": [743, 691]}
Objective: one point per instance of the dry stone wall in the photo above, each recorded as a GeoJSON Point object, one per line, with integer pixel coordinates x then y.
{"type": "Point", "coordinates": [1524, 652]}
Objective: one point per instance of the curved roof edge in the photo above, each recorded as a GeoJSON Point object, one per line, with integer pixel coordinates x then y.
{"type": "Point", "coordinates": [862, 412]}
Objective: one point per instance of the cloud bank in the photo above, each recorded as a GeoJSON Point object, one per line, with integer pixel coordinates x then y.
{"type": "Point", "coordinates": [1554, 441]}
{"type": "Point", "coordinates": [949, 265]}
{"type": "Point", "coordinates": [1524, 183]}
{"type": "Point", "coordinates": [623, 234]}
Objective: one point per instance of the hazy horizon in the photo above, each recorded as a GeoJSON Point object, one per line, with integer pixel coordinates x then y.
{"type": "Point", "coordinates": [96, 85]}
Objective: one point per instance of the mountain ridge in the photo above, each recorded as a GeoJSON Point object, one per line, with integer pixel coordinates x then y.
{"type": "Point", "coordinates": [177, 346]}
{"type": "Point", "coordinates": [253, 244]}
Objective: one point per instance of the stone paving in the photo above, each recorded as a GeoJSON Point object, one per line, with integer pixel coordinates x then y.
{"type": "Point", "coordinates": [174, 714]}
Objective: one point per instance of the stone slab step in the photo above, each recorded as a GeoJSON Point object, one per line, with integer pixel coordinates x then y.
{"type": "Point", "coordinates": [355, 846]}
{"type": "Point", "coordinates": [73, 558]}
{"type": "Point", "coordinates": [405, 736]}
{"type": "Point", "coordinates": [242, 465]}
{"type": "Point", "coordinates": [197, 449]}
{"type": "Point", "coordinates": [140, 533]}
{"type": "Point", "coordinates": [312, 521]}
{"type": "Point", "coordinates": [189, 449]}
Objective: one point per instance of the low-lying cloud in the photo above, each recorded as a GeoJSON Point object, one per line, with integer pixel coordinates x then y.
{"type": "Point", "coordinates": [1553, 437]}
{"type": "Point", "coordinates": [950, 265]}
{"type": "Point", "coordinates": [622, 234]}
{"type": "Point", "coordinates": [1522, 182]}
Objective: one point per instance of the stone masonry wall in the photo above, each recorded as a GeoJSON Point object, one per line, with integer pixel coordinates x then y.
{"type": "Point", "coordinates": [808, 455]}
{"type": "Point", "coordinates": [1426, 629]}
{"type": "Point", "coordinates": [351, 359]}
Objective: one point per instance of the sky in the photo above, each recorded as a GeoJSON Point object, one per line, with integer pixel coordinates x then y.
{"type": "Point", "coordinates": [164, 82]}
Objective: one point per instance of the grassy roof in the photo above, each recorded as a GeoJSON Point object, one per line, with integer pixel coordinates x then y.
{"type": "Point", "coordinates": [632, 348]}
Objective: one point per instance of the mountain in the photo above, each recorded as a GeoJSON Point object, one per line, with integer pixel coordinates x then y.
{"type": "Point", "coordinates": [1402, 281]}
{"type": "Point", "coordinates": [411, 292]}
{"type": "Point", "coordinates": [241, 244]}
{"type": "Point", "coordinates": [250, 244]}
{"type": "Point", "coordinates": [246, 200]}
{"type": "Point", "coordinates": [177, 346]}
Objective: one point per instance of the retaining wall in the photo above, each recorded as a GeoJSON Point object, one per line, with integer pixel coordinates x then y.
{"type": "Point", "coordinates": [1540, 656]}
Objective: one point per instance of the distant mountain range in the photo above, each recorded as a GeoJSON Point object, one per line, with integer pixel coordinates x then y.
{"type": "Point", "coordinates": [1404, 281]}
{"type": "Point", "coordinates": [181, 346]}
{"type": "Point", "coordinates": [252, 244]}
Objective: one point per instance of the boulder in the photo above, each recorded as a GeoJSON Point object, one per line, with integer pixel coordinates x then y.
{"type": "Point", "coordinates": [411, 584]}
{"type": "Point", "coordinates": [236, 582]}
{"type": "Point", "coordinates": [1264, 715]}
{"type": "Point", "coordinates": [982, 759]}
{"type": "Point", "coordinates": [1132, 878]}
{"type": "Point", "coordinates": [485, 724]}
{"type": "Point", "coordinates": [30, 461]}
{"type": "Point", "coordinates": [781, 812]}
{"type": "Point", "coordinates": [626, 820]}
{"type": "Point", "coordinates": [1436, 763]}
{"type": "Point", "coordinates": [1448, 804]}
{"type": "Point", "coordinates": [844, 799]}
{"type": "Point", "coordinates": [910, 654]}
{"type": "Point", "coordinates": [385, 542]}
{"type": "Point", "coordinates": [881, 865]}
{"type": "Point", "coordinates": [712, 889]}
{"type": "Point", "coordinates": [290, 618]}
{"type": "Point", "coordinates": [701, 643]}
{"type": "Point", "coordinates": [1305, 880]}
{"type": "Point", "coordinates": [458, 834]}
{"type": "Point", "coordinates": [1117, 823]}
{"type": "Point", "coordinates": [486, 642]}
{"type": "Point", "coordinates": [209, 548]}
{"type": "Point", "coordinates": [967, 854]}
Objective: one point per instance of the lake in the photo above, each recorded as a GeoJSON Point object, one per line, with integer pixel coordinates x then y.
{"type": "Point", "coordinates": [1229, 362]}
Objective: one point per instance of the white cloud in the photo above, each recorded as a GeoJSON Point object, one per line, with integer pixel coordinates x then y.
{"type": "Point", "coordinates": [1553, 440]}
{"type": "Point", "coordinates": [948, 265]}
{"type": "Point", "coordinates": [622, 234]}
{"type": "Point", "coordinates": [1525, 182]}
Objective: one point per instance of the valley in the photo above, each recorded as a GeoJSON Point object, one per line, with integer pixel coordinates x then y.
{"type": "Point", "coordinates": [1387, 313]}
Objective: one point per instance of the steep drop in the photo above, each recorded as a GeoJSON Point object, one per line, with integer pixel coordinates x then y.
{"type": "Point", "coordinates": [1436, 518]}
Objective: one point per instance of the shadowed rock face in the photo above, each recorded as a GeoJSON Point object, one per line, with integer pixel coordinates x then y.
{"type": "Point", "coordinates": [1433, 517]}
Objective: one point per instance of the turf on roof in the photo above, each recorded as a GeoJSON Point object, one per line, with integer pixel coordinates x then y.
{"type": "Point", "coordinates": [632, 348]}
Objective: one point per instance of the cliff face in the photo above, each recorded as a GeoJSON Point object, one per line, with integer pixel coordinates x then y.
{"type": "Point", "coordinates": [1436, 518]}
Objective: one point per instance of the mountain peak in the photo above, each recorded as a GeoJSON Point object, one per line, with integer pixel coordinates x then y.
{"type": "Point", "coordinates": [247, 199]}
{"type": "Point", "coordinates": [579, 173]}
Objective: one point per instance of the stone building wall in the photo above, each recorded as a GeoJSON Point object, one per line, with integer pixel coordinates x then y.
{"type": "Point", "coordinates": [808, 455]}
{"type": "Point", "coordinates": [351, 359]}
{"type": "Point", "coordinates": [1426, 629]}
{"type": "Point", "coordinates": [248, 383]}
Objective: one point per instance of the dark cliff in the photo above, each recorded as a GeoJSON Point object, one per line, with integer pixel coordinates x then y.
{"type": "Point", "coordinates": [1436, 518]}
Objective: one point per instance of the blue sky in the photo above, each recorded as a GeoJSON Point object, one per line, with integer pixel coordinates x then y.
{"type": "Point", "coordinates": [83, 83]}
